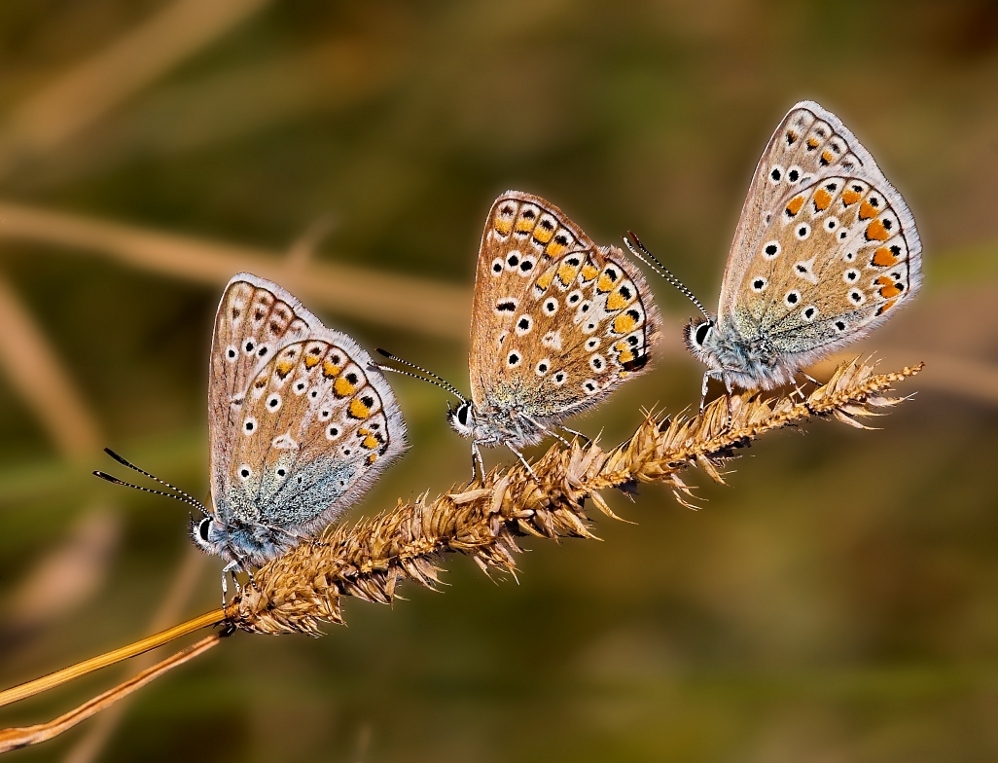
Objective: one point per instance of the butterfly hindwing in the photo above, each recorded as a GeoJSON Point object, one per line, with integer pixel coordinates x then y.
{"type": "Point", "coordinates": [318, 426]}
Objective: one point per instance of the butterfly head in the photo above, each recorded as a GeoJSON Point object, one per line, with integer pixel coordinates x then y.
{"type": "Point", "coordinates": [462, 418]}
{"type": "Point", "coordinates": [207, 535]}
{"type": "Point", "coordinates": [700, 336]}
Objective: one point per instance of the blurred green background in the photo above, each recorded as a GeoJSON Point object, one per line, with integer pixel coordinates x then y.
{"type": "Point", "coordinates": [837, 601]}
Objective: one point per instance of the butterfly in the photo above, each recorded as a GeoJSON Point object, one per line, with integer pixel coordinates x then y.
{"type": "Point", "coordinates": [300, 425]}
{"type": "Point", "coordinates": [825, 251]}
{"type": "Point", "coordinates": [558, 323]}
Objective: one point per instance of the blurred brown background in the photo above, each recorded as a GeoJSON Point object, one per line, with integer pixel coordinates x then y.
{"type": "Point", "coordinates": [838, 601]}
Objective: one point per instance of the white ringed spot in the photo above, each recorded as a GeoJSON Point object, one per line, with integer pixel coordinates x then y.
{"type": "Point", "coordinates": [771, 250]}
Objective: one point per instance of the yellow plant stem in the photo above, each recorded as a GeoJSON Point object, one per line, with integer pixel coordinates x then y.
{"type": "Point", "coordinates": [31, 688]}
{"type": "Point", "coordinates": [16, 738]}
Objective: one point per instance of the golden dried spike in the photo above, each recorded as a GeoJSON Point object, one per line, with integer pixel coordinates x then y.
{"type": "Point", "coordinates": [302, 589]}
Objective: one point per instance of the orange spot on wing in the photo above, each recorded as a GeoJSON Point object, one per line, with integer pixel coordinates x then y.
{"type": "Point", "coordinates": [849, 196]}
{"type": "Point", "coordinates": [542, 235]}
{"type": "Point", "coordinates": [813, 142]}
{"type": "Point", "coordinates": [554, 249]}
{"type": "Point", "coordinates": [589, 272]}
{"type": "Point", "coordinates": [889, 292]}
{"type": "Point", "coordinates": [616, 301]}
{"type": "Point", "coordinates": [369, 442]}
{"type": "Point", "coordinates": [311, 361]}
{"type": "Point", "coordinates": [372, 458]}
{"type": "Point", "coordinates": [605, 283]}
{"type": "Point", "coordinates": [886, 306]}
{"type": "Point", "coordinates": [624, 323]}
{"type": "Point", "coordinates": [283, 368]}
{"type": "Point", "coordinates": [523, 225]}
{"type": "Point", "coordinates": [566, 274]}
{"type": "Point", "coordinates": [883, 258]}
{"type": "Point", "coordinates": [358, 410]}
{"type": "Point", "coordinates": [822, 200]}
{"type": "Point", "coordinates": [867, 210]}
{"type": "Point", "coordinates": [342, 387]}
{"type": "Point", "coordinates": [329, 370]}
{"type": "Point", "coordinates": [794, 206]}
{"type": "Point", "coordinates": [545, 280]}
{"type": "Point", "coordinates": [827, 157]}
{"type": "Point", "coordinates": [503, 225]}
{"type": "Point", "coordinates": [876, 231]}
{"type": "Point", "coordinates": [626, 357]}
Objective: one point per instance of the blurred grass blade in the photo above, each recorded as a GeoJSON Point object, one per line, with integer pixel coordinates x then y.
{"type": "Point", "coordinates": [405, 302]}
{"type": "Point", "coordinates": [93, 88]}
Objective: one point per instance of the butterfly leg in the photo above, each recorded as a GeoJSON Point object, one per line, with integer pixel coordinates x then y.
{"type": "Point", "coordinates": [227, 570]}
{"type": "Point", "coordinates": [703, 389]}
{"type": "Point", "coordinates": [577, 433]}
{"type": "Point", "coordinates": [523, 461]}
{"type": "Point", "coordinates": [707, 376]}
{"type": "Point", "coordinates": [799, 389]}
{"type": "Point", "coordinates": [548, 430]}
{"type": "Point", "coordinates": [477, 464]}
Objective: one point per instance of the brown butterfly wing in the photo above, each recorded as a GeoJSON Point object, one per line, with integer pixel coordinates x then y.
{"type": "Point", "coordinates": [317, 426]}
{"type": "Point", "coordinates": [809, 145]}
{"type": "Point", "coordinates": [836, 252]}
{"type": "Point", "coordinates": [558, 322]}
{"type": "Point", "coordinates": [255, 319]}
{"type": "Point", "coordinates": [265, 344]}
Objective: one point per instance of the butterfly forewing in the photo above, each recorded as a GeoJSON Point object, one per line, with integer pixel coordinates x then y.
{"type": "Point", "coordinates": [299, 431]}
{"type": "Point", "coordinates": [558, 322]}
{"type": "Point", "coordinates": [826, 246]}
{"type": "Point", "coordinates": [254, 320]}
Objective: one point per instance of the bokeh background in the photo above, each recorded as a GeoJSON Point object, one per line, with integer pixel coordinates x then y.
{"type": "Point", "coordinates": [837, 601]}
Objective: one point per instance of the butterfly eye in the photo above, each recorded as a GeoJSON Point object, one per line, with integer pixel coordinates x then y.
{"type": "Point", "coordinates": [462, 415]}
{"type": "Point", "coordinates": [702, 332]}
{"type": "Point", "coordinates": [204, 526]}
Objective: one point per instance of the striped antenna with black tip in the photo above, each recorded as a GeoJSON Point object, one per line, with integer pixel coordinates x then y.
{"type": "Point", "coordinates": [177, 494]}
{"type": "Point", "coordinates": [649, 259]}
{"type": "Point", "coordinates": [433, 379]}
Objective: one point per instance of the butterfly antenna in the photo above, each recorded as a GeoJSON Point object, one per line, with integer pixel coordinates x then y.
{"type": "Point", "coordinates": [435, 380]}
{"type": "Point", "coordinates": [652, 261]}
{"type": "Point", "coordinates": [177, 494]}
